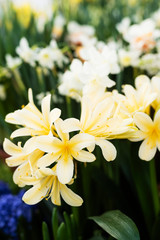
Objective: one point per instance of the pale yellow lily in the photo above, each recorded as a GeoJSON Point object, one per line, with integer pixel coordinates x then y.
{"type": "Point", "coordinates": [45, 185]}
{"type": "Point", "coordinates": [34, 122]}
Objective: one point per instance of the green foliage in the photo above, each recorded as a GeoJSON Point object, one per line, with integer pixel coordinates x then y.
{"type": "Point", "coordinates": [117, 225]}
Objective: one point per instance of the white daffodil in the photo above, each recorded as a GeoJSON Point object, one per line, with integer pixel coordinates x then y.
{"type": "Point", "coordinates": [123, 26]}
{"type": "Point", "coordinates": [63, 151]}
{"type": "Point", "coordinates": [45, 58]}
{"type": "Point", "coordinates": [46, 185]}
{"type": "Point", "coordinates": [34, 122]}
{"type": "Point", "coordinates": [142, 36]}
{"type": "Point", "coordinates": [80, 34]}
{"type": "Point", "coordinates": [26, 53]}
{"type": "Point", "coordinates": [128, 58]}
{"type": "Point", "coordinates": [71, 84]}
{"type": "Point", "coordinates": [150, 62]}
{"type": "Point", "coordinates": [13, 62]}
{"type": "Point", "coordinates": [149, 131]}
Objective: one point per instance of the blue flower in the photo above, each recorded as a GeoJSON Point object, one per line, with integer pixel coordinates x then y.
{"type": "Point", "coordinates": [11, 208]}
{"type": "Point", "coordinates": [4, 188]}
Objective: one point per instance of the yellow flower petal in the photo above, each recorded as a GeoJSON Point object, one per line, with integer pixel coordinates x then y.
{"type": "Point", "coordinates": [146, 151]}
{"type": "Point", "coordinates": [84, 156]}
{"type": "Point", "coordinates": [108, 149]}
{"type": "Point", "coordinates": [65, 169]}
{"type": "Point", "coordinates": [70, 197]}
{"type": "Point", "coordinates": [143, 121]}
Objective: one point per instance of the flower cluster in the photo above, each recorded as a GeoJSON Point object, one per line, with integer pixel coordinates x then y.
{"type": "Point", "coordinates": [47, 159]}
{"type": "Point", "coordinates": [11, 208]}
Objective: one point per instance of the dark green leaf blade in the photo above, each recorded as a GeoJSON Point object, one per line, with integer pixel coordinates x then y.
{"type": "Point", "coordinates": [118, 225]}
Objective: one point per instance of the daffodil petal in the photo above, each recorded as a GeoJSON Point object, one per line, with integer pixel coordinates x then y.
{"type": "Point", "coordinates": [65, 169]}
{"type": "Point", "coordinates": [146, 152]}
{"type": "Point", "coordinates": [84, 156]}
{"type": "Point", "coordinates": [70, 197]}
{"type": "Point", "coordinates": [108, 149]}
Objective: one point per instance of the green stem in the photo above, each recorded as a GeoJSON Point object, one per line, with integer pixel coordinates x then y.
{"type": "Point", "coordinates": [154, 187]}
{"type": "Point", "coordinates": [21, 89]}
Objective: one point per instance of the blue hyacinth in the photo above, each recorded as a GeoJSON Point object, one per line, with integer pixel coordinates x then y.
{"type": "Point", "coordinates": [11, 208]}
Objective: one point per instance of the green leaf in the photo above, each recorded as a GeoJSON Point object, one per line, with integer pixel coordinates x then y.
{"type": "Point", "coordinates": [68, 225]}
{"type": "Point", "coordinates": [45, 231]}
{"type": "Point", "coordinates": [118, 225]}
{"type": "Point", "coordinates": [54, 223]}
{"type": "Point", "coordinates": [61, 233]}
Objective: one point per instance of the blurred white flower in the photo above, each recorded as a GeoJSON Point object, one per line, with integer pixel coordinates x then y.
{"type": "Point", "coordinates": [12, 62]}
{"type": "Point", "coordinates": [26, 53]}
{"type": "Point", "coordinates": [123, 26]}
{"type": "Point", "coordinates": [128, 57]}
{"type": "Point", "coordinates": [142, 36]}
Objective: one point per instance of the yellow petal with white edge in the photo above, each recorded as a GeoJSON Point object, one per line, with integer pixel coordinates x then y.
{"type": "Point", "coordinates": [146, 151]}
{"type": "Point", "coordinates": [45, 106]}
{"type": "Point", "coordinates": [48, 144]}
{"type": "Point", "coordinates": [84, 156]}
{"type": "Point", "coordinates": [11, 148]}
{"type": "Point", "coordinates": [82, 140]}
{"type": "Point", "coordinates": [143, 121]}
{"type": "Point", "coordinates": [108, 149]}
{"type": "Point", "coordinates": [70, 125]}
{"type": "Point", "coordinates": [65, 169]}
{"type": "Point", "coordinates": [48, 159]}
{"type": "Point", "coordinates": [70, 197]}
{"type": "Point", "coordinates": [37, 192]}
{"type": "Point", "coordinates": [55, 193]}
{"type": "Point", "coordinates": [54, 115]}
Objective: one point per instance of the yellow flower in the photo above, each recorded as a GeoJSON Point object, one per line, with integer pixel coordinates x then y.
{"type": "Point", "coordinates": [34, 122]}
{"type": "Point", "coordinates": [149, 131]}
{"type": "Point", "coordinates": [63, 151]}
{"type": "Point", "coordinates": [46, 184]}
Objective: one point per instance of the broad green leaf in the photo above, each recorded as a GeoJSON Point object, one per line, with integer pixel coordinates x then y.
{"type": "Point", "coordinates": [118, 225]}
{"type": "Point", "coordinates": [45, 231]}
